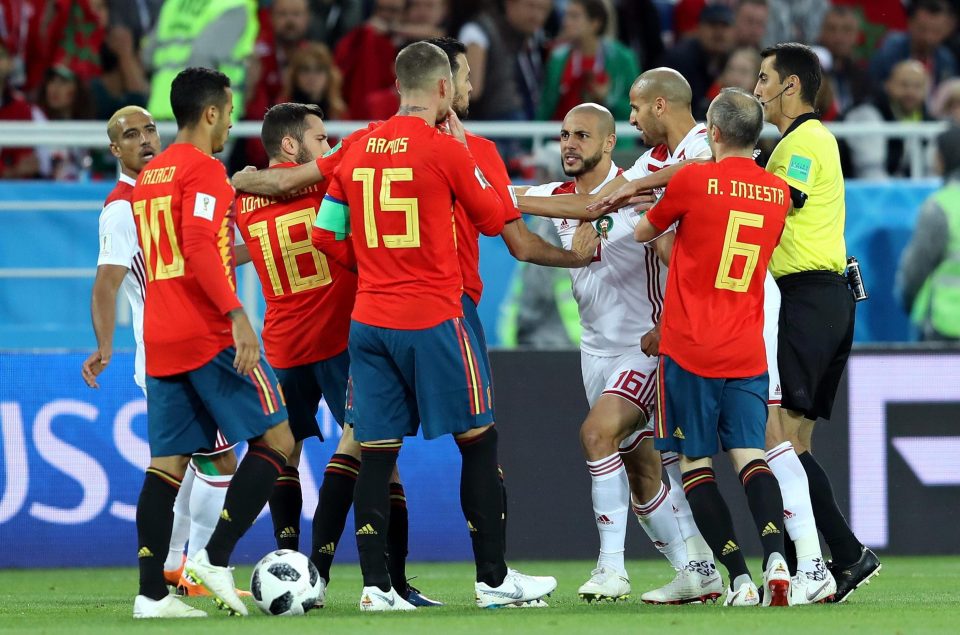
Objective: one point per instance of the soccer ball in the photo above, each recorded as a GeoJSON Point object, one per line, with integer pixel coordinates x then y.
{"type": "Point", "coordinates": [285, 582]}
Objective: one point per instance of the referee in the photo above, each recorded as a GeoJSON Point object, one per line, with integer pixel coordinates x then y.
{"type": "Point", "coordinates": [817, 309]}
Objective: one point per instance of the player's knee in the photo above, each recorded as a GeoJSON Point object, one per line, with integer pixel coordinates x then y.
{"type": "Point", "coordinates": [597, 438]}
{"type": "Point", "coordinates": [281, 438]}
{"type": "Point", "coordinates": [293, 459]}
{"type": "Point", "coordinates": [174, 465]}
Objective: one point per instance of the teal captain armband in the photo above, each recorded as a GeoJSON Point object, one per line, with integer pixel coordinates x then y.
{"type": "Point", "coordinates": [334, 216]}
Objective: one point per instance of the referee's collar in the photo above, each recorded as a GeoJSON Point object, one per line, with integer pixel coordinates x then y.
{"type": "Point", "coordinates": [807, 116]}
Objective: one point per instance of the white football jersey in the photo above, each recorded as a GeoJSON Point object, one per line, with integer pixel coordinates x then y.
{"type": "Point", "coordinates": [695, 145]}
{"type": "Point", "coordinates": [119, 246]}
{"type": "Point", "coordinates": [620, 293]}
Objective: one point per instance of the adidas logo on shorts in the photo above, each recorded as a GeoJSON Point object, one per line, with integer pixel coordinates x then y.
{"type": "Point", "coordinates": [367, 530]}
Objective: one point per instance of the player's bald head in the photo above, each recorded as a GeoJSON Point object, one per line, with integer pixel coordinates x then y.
{"type": "Point", "coordinates": [115, 124]}
{"type": "Point", "coordinates": [420, 65]}
{"type": "Point", "coordinates": [663, 82]}
{"type": "Point", "coordinates": [603, 118]}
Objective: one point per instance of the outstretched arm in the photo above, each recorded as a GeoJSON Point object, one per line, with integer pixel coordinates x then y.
{"type": "Point", "coordinates": [526, 246]}
{"type": "Point", "coordinates": [277, 182]}
{"type": "Point", "coordinates": [627, 190]}
{"type": "Point", "coordinates": [570, 206]}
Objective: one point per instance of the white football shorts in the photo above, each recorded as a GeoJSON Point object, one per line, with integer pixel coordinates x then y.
{"type": "Point", "coordinates": [631, 376]}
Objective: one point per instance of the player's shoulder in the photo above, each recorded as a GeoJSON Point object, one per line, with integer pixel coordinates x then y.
{"type": "Point", "coordinates": [122, 192]}
{"type": "Point", "coordinates": [476, 142]}
{"type": "Point", "coordinates": [549, 189]}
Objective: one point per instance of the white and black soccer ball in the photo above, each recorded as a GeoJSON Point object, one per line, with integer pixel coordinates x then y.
{"type": "Point", "coordinates": [285, 582]}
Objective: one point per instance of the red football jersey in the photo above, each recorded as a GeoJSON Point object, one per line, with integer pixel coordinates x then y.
{"type": "Point", "coordinates": [468, 245]}
{"type": "Point", "coordinates": [309, 299]}
{"type": "Point", "coordinates": [731, 216]}
{"type": "Point", "coordinates": [182, 204]}
{"type": "Point", "coordinates": [400, 183]}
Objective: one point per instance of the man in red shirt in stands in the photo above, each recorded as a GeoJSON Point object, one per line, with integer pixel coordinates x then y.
{"type": "Point", "coordinates": [202, 356]}
{"type": "Point", "coordinates": [712, 378]}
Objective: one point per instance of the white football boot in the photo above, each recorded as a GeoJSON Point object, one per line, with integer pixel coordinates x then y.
{"type": "Point", "coordinates": [170, 606]}
{"type": "Point", "coordinates": [746, 595]}
{"type": "Point", "coordinates": [691, 585]}
{"type": "Point", "coordinates": [605, 585]}
{"type": "Point", "coordinates": [374, 600]}
{"type": "Point", "coordinates": [812, 587]}
{"type": "Point", "coordinates": [776, 582]}
{"type": "Point", "coordinates": [322, 597]}
{"type": "Point", "coordinates": [217, 580]}
{"type": "Point", "coordinates": [517, 589]}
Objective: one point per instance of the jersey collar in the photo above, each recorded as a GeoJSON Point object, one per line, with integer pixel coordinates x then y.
{"type": "Point", "coordinates": [126, 179]}
{"type": "Point", "coordinates": [807, 116]}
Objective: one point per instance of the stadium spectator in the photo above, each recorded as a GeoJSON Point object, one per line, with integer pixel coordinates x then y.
{"type": "Point", "coordinates": [65, 97]}
{"type": "Point", "coordinates": [946, 102]}
{"type": "Point", "coordinates": [330, 20]}
{"type": "Point", "coordinates": [686, 15]}
{"type": "Point", "coordinates": [216, 34]}
{"type": "Point", "coordinates": [122, 80]}
{"type": "Point", "coordinates": [15, 163]}
{"type": "Point", "coordinates": [927, 279]}
{"type": "Point", "coordinates": [840, 35]}
{"type": "Point", "coordinates": [740, 71]}
{"type": "Point", "coordinates": [20, 36]}
{"type": "Point", "coordinates": [138, 16]}
{"type": "Point", "coordinates": [588, 67]}
{"type": "Point", "coordinates": [876, 18]}
{"type": "Point", "coordinates": [795, 20]}
{"type": "Point", "coordinates": [279, 38]}
{"type": "Point", "coordinates": [750, 23]}
{"type": "Point", "coordinates": [365, 57]}
{"type": "Point", "coordinates": [312, 78]}
{"type": "Point", "coordinates": [701, 57]}
{"type": "Point", "coordinates": [638, 26]}
{"type": "Point", "coordinates": [505, 54]}
{"type": "Point", "coordinates": [902, 100]}
{"type": "Point", "coordinates": [929, 24]}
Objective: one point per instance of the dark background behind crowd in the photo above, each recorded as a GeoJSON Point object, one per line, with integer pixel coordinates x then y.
{"type": "Point", "coordinates": [886, 60]}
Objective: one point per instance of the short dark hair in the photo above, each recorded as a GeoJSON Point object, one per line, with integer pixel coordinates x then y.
{"type": "Point", "coordinates": [452, 47]}
{"type": "Point", "coordinates": [738, 115]}
{"type": "Point", "coordinates": [194, 90]}
{"type": "Point", "coordinates": [286, 120]}
{"type": "Point", "coordinates": [419, 64]}
{"type": "Point", "coordinates": [596, 10]}
{"type": "Point", "coordinates": [928, 6]}
{"type": "Point", "coordinates": [793, 58]}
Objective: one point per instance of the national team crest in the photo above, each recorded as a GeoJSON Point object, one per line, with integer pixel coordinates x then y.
{"type": "Point", "coordinates": [604, 224]}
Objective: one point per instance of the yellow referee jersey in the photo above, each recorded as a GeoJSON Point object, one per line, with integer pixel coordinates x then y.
{"type": "Point", "coordinates": [807, 158]}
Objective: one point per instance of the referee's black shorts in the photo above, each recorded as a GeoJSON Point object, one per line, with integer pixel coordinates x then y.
{"type": "Point", "coordinates": [817, 315]}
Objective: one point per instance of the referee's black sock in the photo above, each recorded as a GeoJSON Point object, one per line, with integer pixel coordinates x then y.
{"type": "Point", "coordinates": [766, 505]}
{"type": "Point", "coordinates": [286, 505]}
{"type": "Point", "coordinates": [336, 498]}
{"type": "Point", "coordinates": [713, 519]}
{"type": "Point", "coordinates": [398, 533]}
{"type": "Point", "coordinates": [371, 511]}
{"type": "Point", "coordinates": [844, 546]}
{"type": "Point", "coordinates": [248, 492]}
{"type": "Point", "coordinates": [481, 497]}
{"type": "Point", "coordinates": [154, 524]}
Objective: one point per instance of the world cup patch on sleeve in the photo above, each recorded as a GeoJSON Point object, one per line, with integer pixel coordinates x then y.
{"type": "Point", "coordinates": [204, 205]}
{"type": "Point", "coordinates": [799, 168]}
{"type": "Point", "coordinates": [106, 244]}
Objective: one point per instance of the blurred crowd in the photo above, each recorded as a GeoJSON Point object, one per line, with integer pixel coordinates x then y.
{"type": "Point", "coordinates": [886, 60]}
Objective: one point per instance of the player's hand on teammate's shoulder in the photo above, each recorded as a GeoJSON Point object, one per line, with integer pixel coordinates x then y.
{"type": "Point", "coordinates": [614, 201]}
{"type": "Point", "coordinates": [455, 127]}
{"type": "Point", "coordinates": [93, 366]}
{"type": "Point", "coordinates": [238, 177]}
{"type": "Point", "coordinates": [585, 242]}
{"type": "Point", "coordinates": [245, 341]}
{"type": "Point", "coordinates": [650, 342]}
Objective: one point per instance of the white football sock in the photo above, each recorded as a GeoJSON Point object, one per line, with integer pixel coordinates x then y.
{"type": "Point", "coordinates": [611, 505]}
{"type": "Point", "coordinates": [206, 503]}
{"type": "Point", "coordinates": [797, 510]}
{"type": "Point", "coordinates": [697, 548]}
{"type": "Point", "coordinates": [658, 520]}
{"type": "Point", "coordinates": [181, 523]}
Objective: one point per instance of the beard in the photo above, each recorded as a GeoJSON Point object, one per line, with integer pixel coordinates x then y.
{"type": "Point", "coordinates": [303, 156]}
{"type": "Point", "coordinates": [586, 164]}
{"type": "Point", "coordinates": [461, 107]}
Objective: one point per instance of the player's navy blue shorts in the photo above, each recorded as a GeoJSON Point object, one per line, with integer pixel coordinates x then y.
{"type": "Point", "coordinates": [401, 380]}
{"type": "Point", "coordinates": [472, 318]}
{"type": "Point", "coordinates": [693, 411]}
{"type": "Point", "coordinates": [304, 385]}
{"type": "Point", "coordinates": [185, 410]}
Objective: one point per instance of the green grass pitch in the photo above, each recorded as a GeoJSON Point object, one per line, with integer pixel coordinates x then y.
{"type": "Point", "coordinates": [912, 595]}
